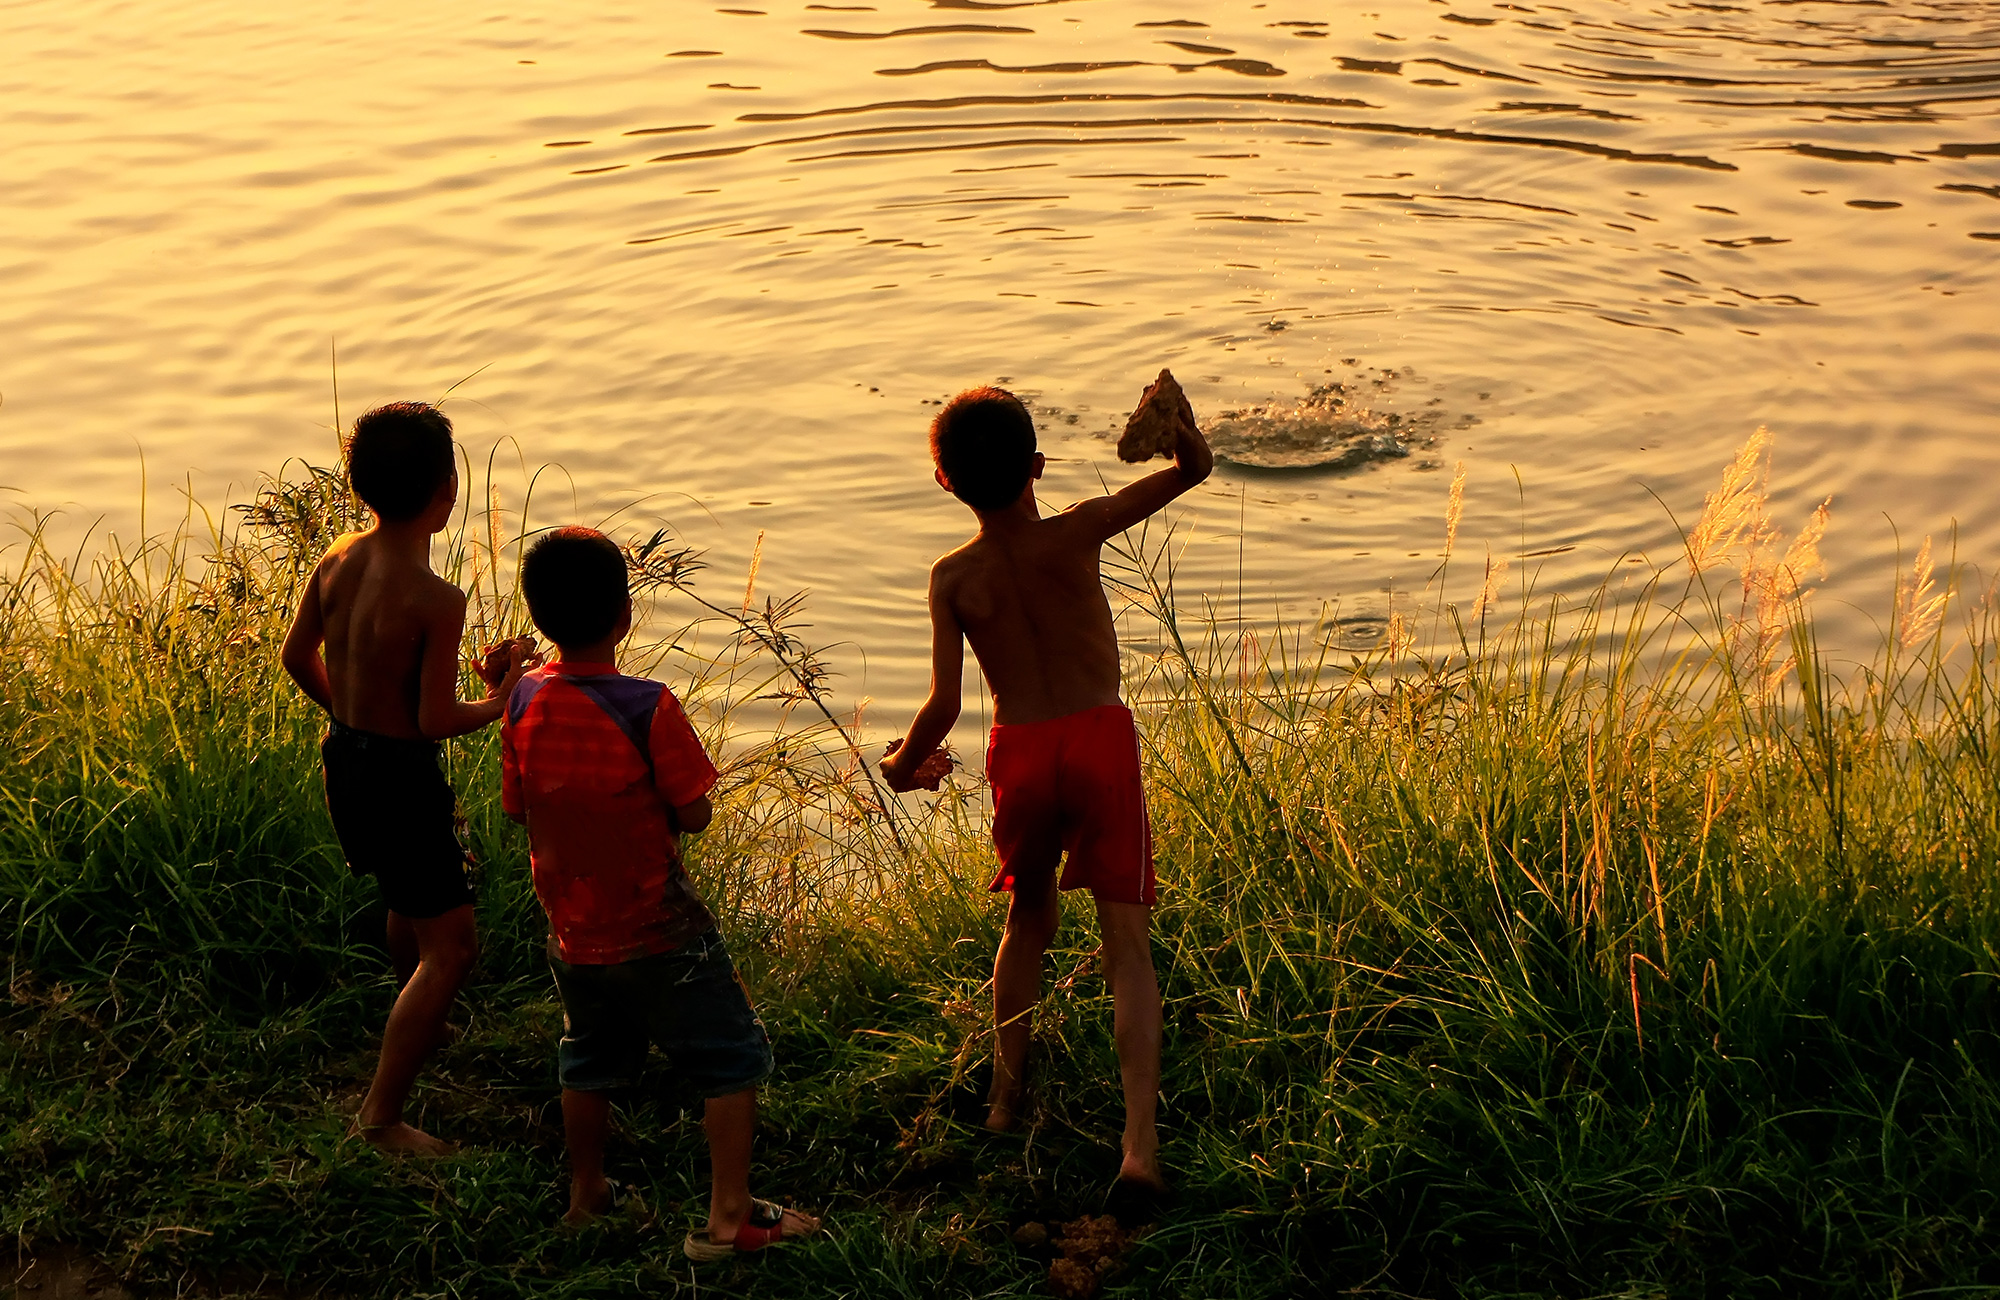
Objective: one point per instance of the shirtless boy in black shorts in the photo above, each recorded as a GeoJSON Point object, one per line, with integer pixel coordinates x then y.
{"type": "Point", "coordinates": [390, 629]}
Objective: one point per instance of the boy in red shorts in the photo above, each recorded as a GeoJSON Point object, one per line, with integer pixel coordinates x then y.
{"type": "Point", "coordinates": [1064, 756]}
{"type": "Point", "coordinates": [607, 775]}
{"type": "Point", "coordinates": [388, 679]}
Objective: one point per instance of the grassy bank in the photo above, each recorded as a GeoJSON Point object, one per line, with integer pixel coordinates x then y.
{"type": "Point", "coordinates": [1616, 949]}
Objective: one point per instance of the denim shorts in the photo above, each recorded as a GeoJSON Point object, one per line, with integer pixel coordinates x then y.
{"type": "Point", "coordinates": [688, 1002]}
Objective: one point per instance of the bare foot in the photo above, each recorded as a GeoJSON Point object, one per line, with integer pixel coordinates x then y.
{"type": "Point", "coordinates": [400, 1139]}
{"type": "Point", "coordinates": [584, 1208]}
{"type": "Point", "coordinates": [1143, 1173]}
{"type": "Point", "coordinates": [1139, 1195]}
{"type": "Point", "coordinates": [1006, 1106]}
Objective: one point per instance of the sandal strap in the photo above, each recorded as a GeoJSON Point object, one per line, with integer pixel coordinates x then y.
{"type": "Point", "coordinates": [752, 1236]}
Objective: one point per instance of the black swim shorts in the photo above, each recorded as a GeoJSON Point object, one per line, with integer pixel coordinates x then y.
{"type": "Point", "coordinates": [395, 815]}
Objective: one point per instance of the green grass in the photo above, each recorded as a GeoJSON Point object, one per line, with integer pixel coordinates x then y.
{"type": "Point", "coordinates": [1586, 956]}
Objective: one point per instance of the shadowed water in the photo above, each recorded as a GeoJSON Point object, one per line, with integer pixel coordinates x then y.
{"type": "Point", "coordinates": [721, 264]}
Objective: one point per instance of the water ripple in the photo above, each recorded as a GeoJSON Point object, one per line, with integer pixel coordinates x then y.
{"type": "Point", "coordinates": [1593, 244]}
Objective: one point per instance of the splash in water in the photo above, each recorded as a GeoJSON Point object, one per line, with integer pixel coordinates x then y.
{"type": "Point", "coordinates": [1335, 426]}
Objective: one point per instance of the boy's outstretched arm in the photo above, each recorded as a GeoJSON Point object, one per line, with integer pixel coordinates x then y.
{"type": "Point", "coordinates": [935, 719]}
{"type": "Point", "coordinates": [300, 655]}
{"type": "Point", "coordinates": [440, 713]}
{"type": "Point", "coordinates": [1193, 462]}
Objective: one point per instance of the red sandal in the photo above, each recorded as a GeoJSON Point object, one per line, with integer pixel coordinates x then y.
{"type": "Point", "coordinates": [765, 1227]}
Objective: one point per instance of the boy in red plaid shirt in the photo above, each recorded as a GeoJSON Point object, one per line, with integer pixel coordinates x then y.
{"type": "Point", "coordinates": [606, 773]}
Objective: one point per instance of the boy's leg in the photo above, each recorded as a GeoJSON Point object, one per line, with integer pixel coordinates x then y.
{"type": "Point", "coordinates": [1135, 1001]}
{"type": "Point", "coordinates": [402, 948]}
{"type": "Point", "coordinates": [403, 959]}
{"type": "Point", "coordinates": [1032, 914]}
{"type": "Point", "coordinates": [447, 946]}
{"type": "Point", "coordinates": [731, 1123]}
{"type": "Point", "coordinates": [586, 1120]}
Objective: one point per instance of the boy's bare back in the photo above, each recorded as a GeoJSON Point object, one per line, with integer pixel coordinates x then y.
{"type": "Point", "coordinates": [376, 636]}
{"type": "Point", "coordinates": [1027, 595]}
{"type": "Point", "coordinates": [384, 615]}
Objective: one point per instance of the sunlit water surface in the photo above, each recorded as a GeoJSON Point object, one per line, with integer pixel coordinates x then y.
{"type": "Point", "coordinates": [719, 265]}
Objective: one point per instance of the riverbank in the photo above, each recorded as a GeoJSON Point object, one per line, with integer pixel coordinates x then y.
{"type": "Point", "coordinates": [1608, 954]}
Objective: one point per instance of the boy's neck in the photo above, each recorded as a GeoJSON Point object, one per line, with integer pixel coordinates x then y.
{"type": "Point", "coordinates": [408, 538]}
{"type": "Point", "coordinates": [597, 652]}
{"type": "Point", "coordinates": [1024, 511]}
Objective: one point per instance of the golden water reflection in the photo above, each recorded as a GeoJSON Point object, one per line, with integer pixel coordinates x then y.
{"type": "Point", "coordinates": [722, 262]}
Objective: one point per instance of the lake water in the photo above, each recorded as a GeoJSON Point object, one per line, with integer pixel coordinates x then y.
{"type": "Point", "coordinates": [723, 262]}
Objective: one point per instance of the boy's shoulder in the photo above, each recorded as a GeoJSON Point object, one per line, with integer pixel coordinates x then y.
{"type": "Point", "coordinates": [357, 563]}
{"type": "Point", "coordinates": [627, 701]}
{"type": "Point", "coordinates": [1067, 528]}
{"type": "Point", "coordinates": [597, 674]}
{"type": "Point", "coordinates": [967, 554]}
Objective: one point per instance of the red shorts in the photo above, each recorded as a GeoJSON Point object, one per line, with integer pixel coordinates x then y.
{"type": "Point", "coordinates": [1072, 785]}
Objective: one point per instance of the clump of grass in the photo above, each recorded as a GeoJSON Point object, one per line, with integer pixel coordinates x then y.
{"type": "Point", "coordinates": [1614, 948]}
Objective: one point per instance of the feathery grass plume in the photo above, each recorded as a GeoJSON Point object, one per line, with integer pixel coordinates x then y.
{"type": "Point", "coordinates": [1454, 508]}
{"type": "Point", "coordinates": [1918, 612]}
{"type": "Point", "coordinates": [1802, 562]}
{"type": "Point", "coordinates": [1399, 636]}
{"type": "Point", "coordinates": [756, 563]}
{"type": "Point", "coordinates": [1489, 591]}
{"type": "Point", "coordinates": [1776, 590]}
{"type": "Point", "coordinates": [1732, 516]}
{"type": "Point", "coordinates": [1249, 658]}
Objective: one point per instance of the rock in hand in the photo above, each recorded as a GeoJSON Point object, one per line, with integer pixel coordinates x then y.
{"type": "Point", "coordinates": [930, 773]}
{"type": "Point", "coordinates": [1154, 427]}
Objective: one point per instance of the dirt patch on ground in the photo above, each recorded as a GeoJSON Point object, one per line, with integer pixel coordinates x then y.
{"type": "Point", "coordinates": [60, 1274]}
{"type": "Point", "coordinates": [65, 1273]}
{"type": "Point", "coordinates": [1083, 1254]}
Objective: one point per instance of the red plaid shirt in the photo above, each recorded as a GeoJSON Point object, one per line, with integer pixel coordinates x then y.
{"type": "Point", "coordinates": [596, 761]}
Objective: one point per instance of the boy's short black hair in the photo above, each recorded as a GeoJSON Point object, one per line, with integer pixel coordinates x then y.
{"type": "Point", "coordinates": [574, 580]}
{"type": "Point", "coordinates": [984, 441]}
{"type": "Point", "coordinates": [398, 457]}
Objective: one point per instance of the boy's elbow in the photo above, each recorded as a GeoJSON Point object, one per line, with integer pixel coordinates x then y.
{"type": "Point", "coordinates": [437, 724]}
{"type": "Point", "coordinates": [693, 818]}
{"type": "Point", "coordinates": [294, 659]}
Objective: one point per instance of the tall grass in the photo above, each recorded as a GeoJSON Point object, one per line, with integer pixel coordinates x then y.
{"type": "Point", "coordinates": [1614, 948]}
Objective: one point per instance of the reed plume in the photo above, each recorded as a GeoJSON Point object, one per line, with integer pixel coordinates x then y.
{"type": "Point", "coordinates": [1775, 589]}
{"type": "Point", "coordinates": [1489, 591]}
{"type": "Point", "coordinates": [1454, 508]}
{"type": "Point", "coordinates": [1732, 516]}
{"type": "Point", "coordinates": [1918, 612]}
{"type": "Point", "coordinates": [756, 563]}
{"type": "Point", "coordinates": [1399, 636]}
